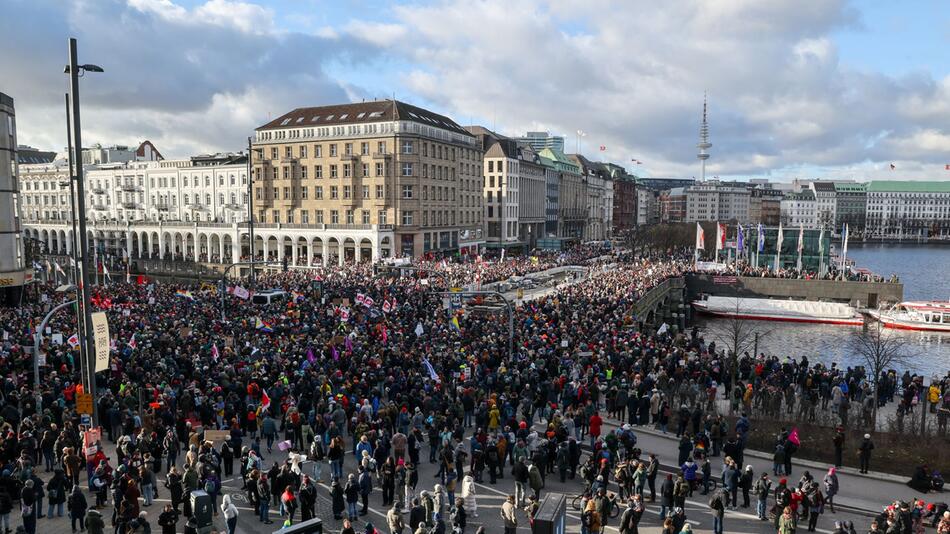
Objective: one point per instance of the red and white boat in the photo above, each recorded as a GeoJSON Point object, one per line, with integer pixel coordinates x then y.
{"type": "Point", "coordinates": [794, 311]}
{"type": "Point", "coordinates": [915, 315]}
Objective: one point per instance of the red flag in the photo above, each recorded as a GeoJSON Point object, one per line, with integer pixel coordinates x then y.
{"type": "Point", "coordinates": [947, 167]}
{"type": "Point", "coordinates": [603, 148]}
{"type": "Point", "coordinates": [265, 400]}
{"type": "Point", "coordinates": [214, 351]}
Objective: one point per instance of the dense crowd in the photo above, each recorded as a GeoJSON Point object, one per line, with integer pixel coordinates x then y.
{"type": "Point", "coordinates": [366, 375]}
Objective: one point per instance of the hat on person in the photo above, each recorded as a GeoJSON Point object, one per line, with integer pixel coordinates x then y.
{"type": "Point", "coordinates": [867, 436]}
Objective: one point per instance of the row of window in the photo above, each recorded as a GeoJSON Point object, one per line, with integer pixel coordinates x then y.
{"type": "Point", "coordinates": [406, 146]}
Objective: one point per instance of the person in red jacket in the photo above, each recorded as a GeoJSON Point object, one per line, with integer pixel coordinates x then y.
{"type": "Point", "coordinates": [594, 424]}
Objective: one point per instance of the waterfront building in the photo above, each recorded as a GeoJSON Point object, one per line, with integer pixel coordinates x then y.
{"type": "Point", "coordinates": [799, 209]}
{"type": "Point", "coordinates": [672, 205]}
{"type": "Point", "coordinates": [717, 201]}
{"type": "Point", "coordinates": [596, 178]}
{"type": "Point", "coordinates": [850, 205]}
{"type": "Point", "coordinates": [538, 141]}
{"type": "Point", "coordinates": [908, 209]}
{"type": "Point", "coordinates": [825, 203]}
{"type": "Point", "coordinates": [368, 180]}
{"type": "Point", "coordinates": [15, 267]}
{"type": "Point", "coordinates": [765, 205]}
{"type": "Point", "coordinates": [648, 206]}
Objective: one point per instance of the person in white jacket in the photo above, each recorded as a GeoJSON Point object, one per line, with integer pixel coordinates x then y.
{"type": "Point", "coordinates": [230, 513]}
{"type": "Point", "coordinates": [468, 495]}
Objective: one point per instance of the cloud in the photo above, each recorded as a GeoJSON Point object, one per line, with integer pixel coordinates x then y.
{"type": "Point", "coordinates": [190, 79]}
{"type": "Point", "coordinates": [632, 75]}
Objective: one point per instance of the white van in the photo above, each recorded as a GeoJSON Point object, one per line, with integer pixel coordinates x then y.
{"type": "Point", "coordinates": [270, 296]}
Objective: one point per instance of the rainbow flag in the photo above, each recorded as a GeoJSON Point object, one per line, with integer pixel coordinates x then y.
{"type": "Point", "coordinates": [262, 326]}
{"type": "Point", "coordinates": [184, 294]}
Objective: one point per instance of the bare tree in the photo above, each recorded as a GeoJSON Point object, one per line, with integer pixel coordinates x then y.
{"type": "Point", "coordinates": [738, 334]}
{"type": "Point", "coordinates": [881, 349]}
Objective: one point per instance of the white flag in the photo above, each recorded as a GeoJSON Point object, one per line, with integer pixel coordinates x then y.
{"type": "Point", "coordinates": [241, 293]}
{"type": "Point", "coordinates": [419, 330]}
{"type": "Point", "coordinates": [432, 374]}
{"type": "Point", "coordinates": [700, 238]}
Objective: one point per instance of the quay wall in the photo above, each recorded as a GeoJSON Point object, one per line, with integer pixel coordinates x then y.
{"type": "Point", "coordinates": [859, 294]}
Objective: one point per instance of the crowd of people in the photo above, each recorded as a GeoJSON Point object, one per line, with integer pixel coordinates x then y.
{"type": "Point", "coordinates": [351, 386]}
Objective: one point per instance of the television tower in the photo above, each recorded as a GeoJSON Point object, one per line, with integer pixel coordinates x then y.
{"type": "Point", "coordinates": [704, 143]}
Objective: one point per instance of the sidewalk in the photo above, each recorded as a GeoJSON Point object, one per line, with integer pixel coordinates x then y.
{"type": "Point", "coordinates": [866, 492]}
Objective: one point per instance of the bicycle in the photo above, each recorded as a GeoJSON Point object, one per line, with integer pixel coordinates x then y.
{"type": "Point", "coordinates": [613, 507]}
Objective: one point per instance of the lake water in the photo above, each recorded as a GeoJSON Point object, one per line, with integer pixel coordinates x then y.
{"type": "Point", "coordinates": [922, 269]}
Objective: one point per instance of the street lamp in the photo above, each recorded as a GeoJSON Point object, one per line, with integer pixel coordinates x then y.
{"type": "Point", "coordinates": [86, 347]}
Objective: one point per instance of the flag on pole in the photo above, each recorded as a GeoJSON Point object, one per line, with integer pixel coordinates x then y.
{"type": "Point", "coordinates": [844, 245]}
{"type": "Point", "coordinates": [105, 271]}
{"type": "Point", "coordinates": [893, 166]}
{"type": "Point", "coordinates": [265, 400]}
{"type": "Point", "coordinates": [778, 246]}
{"type": "Point", "coordinates": [241, 293]}
{"type": "Point", "coordinates": [310, 355]}
{"type": "Point", "coordinates": [700, 238]}
{"type": "Point", "coordinates": [801, 238]}
{"type": "Point", "coordinates": [455, 323]}
{"type": "Point", "coordinates": [128, 272]}
{"type": "Point", "coordinates": [348, 344]}
{"type": "Point", "coordinates": [133, 344]}
{"type": "Point", "coordinates": [432, 374]}
{"type": "Point", "coordinates": [214, 352]}
{"type": "Point", "coordinates": [761, 236]}
{"type": "Point", "coordinates": [603, 148]}
{"type": "Point", "coordinates": [73, 341]}
{"type": "Point", "coordinates": [334, 353]}
{"type": "Point", "coordinates": [740, 242]}
{"type": "Point", "coordinates": [59, 269]}
{"type": "Point", "coordinates": [821, 242]}
{"type": "Point", "coordinates": [720, 236]}
{"type": "Point", "coordinates": [184, 294]}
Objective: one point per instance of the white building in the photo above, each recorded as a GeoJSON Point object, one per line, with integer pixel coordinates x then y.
{"type": "Point", "coordinates": [825, 203]}
{"type": "Point", "coordinates": [98, 154]}
{"type": "Point", "coordinates": [800, 209]}
{"type": "Point", "coordinates": [717, 201]}
{"type": "Point", "coordinates": [902, 209]}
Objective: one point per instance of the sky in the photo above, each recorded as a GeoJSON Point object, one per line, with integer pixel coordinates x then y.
{"type": "Point", "coordinates": [831, 89]}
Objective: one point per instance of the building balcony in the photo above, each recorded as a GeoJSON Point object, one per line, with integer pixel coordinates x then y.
{"type": "Point", "coordinates": [291, 159]}
{"type": "Point", "coordinates": [129, 205]}
{"type": "Point", "coordinates": [129, 187]}
{"type": "Point", "coordinates": [100, 207]}
{"type": "Point", "coordinates": [162, 206]}
{"type": "Point", "coordinates": [349, 157]}
{"type": "Point", "coordinates": [382, 155]}
{"type": "Point", "coordinates": [98, 191]}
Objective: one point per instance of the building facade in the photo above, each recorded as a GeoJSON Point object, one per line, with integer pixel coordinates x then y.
{"type": "Point", "coordinates": [15, 269]}
{"type": "Point", "coordinates": [404, 181]}
{"type": "Point", "coordinates": [850, 205]}
{"type": "Point", "coordinates": [624, 202]}
{"type": "Point", "coordinates": [800, 209]}
{"type": "Point", "coordinates": [717, 201]}
{"type": "Point", "coordinates": [906, 209]}
{"type": "Point", "coordinates": [538, 141]}
{"type": "Point", "coordinates": [572, 210]}
{"type": "Point", "coordinates": [672, 205]}
{"type": "Point", "coordinates": [825, 203]}
{"type": "Point", "coordinates": [765, 205]}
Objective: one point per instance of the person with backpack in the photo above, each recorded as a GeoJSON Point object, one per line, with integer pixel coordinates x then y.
{"type": "Point", "coordinates": [762, 488]}
{"type": "Point", "coordinates": [718, 507]}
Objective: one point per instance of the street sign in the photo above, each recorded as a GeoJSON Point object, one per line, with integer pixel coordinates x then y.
{"type": "Point", "coordinates": [84, 403]}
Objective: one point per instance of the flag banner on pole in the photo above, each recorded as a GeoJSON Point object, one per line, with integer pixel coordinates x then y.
{"type": "Point", "coordinates": [265, 400]}
{"type": "Point", "coordinates": [73, 341]}
{"type": "Point", "coordinates": [801, 238]}
{"type": "Point", "coordinates": [700, 238]}
{"type": "Point", "coordinates": [241, 293]}
{"type": "Point", "coordinates": [133, 344]}
{"type": "Point", "coordinates": [432, 374]}
{"type": "Point", "coordinates": [720, 236]}
{"type": "Point", "coordinates": [740, 242]}
{"type": "Point", "coordinates": [214, 352]}
{"type": "Point", "coordinates": [761, 236]}
{"type": "Point", "coordinates": [184, 294]}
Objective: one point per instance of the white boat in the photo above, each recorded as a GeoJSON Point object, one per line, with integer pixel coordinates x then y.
{"type": "Point", "coordinates": [795, 311]}
{"type": "Point", "coordinates": [915, 315]}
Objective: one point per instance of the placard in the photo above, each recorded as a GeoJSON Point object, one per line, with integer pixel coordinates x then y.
{"type": "Point", "coordinates": [84, 403]}
{"type": "Point", "coordinates": [100, 333]}
{"type": "Point", "coordinates": [217, 435]}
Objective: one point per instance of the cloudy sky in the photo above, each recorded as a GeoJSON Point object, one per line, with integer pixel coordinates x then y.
{"type": "Point", "coordinates": [809, 88]}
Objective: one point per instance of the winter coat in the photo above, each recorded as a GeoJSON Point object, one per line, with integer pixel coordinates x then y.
{"type": "Point", "coordinates": [468, 493]}
{"type": "Point", "coordinates": [94, 522]}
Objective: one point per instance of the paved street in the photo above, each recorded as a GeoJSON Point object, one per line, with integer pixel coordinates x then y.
{"type": "Point", "coordinates": [490, 498]}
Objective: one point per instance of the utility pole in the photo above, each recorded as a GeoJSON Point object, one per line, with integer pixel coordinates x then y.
{"type": "Point", "coordinates": [87, 349]}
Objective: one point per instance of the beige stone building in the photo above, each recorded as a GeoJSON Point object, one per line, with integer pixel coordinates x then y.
{"type": "Point", "coordinates": [368, 180]}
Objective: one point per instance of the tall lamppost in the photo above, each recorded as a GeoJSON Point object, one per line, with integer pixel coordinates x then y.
{"type": "Point", "coordinates": [86, 346]}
